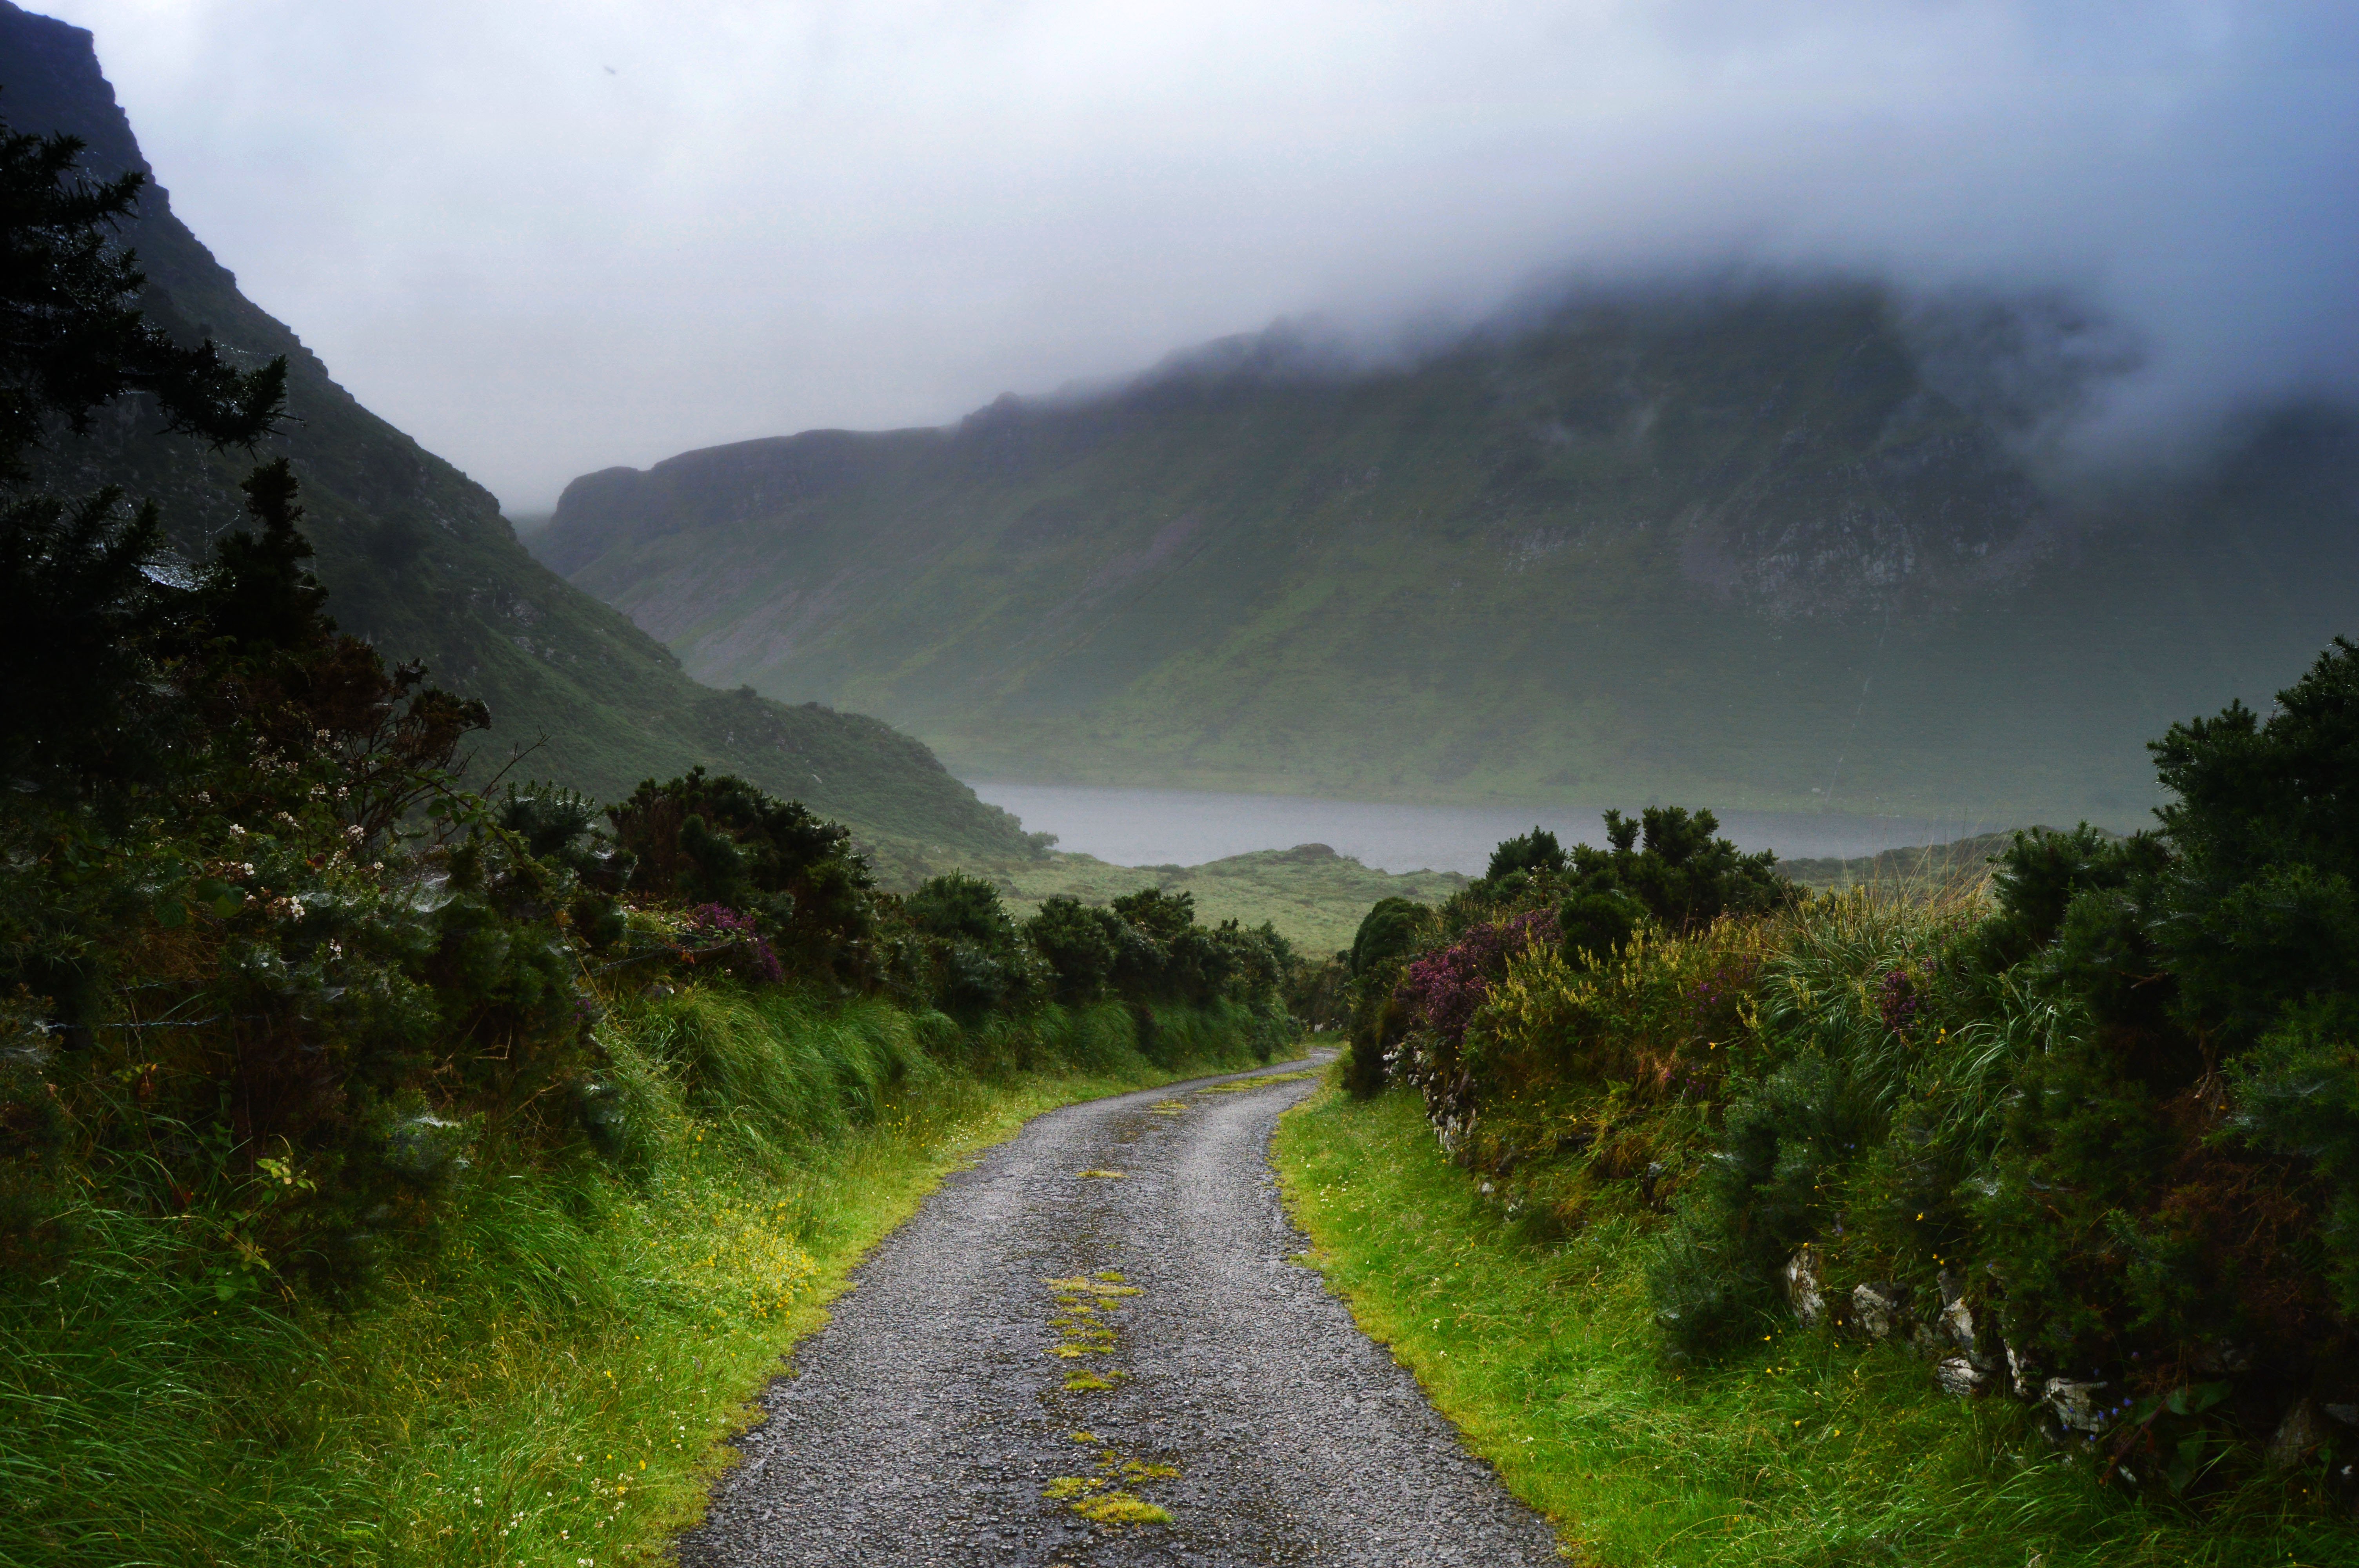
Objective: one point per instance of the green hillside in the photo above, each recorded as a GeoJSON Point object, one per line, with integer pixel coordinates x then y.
{"type": "Point", "coordinates": [1315, 897]}
{"type": "Point", "coordinates": [420, 561]}
{"type": "Point", "coordinates": [1768, 549]}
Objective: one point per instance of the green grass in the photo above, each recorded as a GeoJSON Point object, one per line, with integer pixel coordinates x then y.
{"type": "Point", "coordinates": [1314, 897]}
{"type": "Point", "coordinates": [1920, 869]}
{"type": "Point", "coordinates": [549, 1383]}
{"type": "Point", "coordinates": [1806, 1449]}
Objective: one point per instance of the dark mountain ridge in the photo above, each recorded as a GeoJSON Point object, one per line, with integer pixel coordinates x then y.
{"type": "Point", "coordinates": [1777, 546]}
{"type": "Point", "coordinates": [418, 559]}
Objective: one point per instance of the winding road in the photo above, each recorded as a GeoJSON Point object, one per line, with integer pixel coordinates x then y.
{"type": "Point", "coordinates": [1091, 1348]}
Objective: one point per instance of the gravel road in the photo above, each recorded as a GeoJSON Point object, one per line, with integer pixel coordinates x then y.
{"type": "Point", "coordinates": [1040, 1295]}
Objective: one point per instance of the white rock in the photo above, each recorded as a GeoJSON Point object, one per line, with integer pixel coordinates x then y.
{"type": "Point", "coordinates": [2022, 1375]}
{"type": "Point", "coordinates": [2075, 1404]}
{"type": "Point", "coordinates": [1958, 1322]}
{"type": "Point", "coordinates": [1881, 1310]}
{"type": "Point", "coordinates": [1802, 1286]}
{"type": "Point", "coordinates": [1958, 1375]}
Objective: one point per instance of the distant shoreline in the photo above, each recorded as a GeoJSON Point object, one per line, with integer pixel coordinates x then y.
{"type": "Point", "coordinates": [1149, 828]}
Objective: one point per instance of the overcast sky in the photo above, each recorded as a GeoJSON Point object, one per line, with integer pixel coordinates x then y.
{"type": "Point", "coordinates": [546, 238]}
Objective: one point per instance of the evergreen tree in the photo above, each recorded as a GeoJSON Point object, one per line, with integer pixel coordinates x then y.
{"type": "Point", "coordinates": [88, 594]}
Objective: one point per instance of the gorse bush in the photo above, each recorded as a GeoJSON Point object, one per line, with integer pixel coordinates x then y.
{"type": "Point", "coordinates": [1668, 867]}
{"type": "Point", "coordinates": [2089, 1136]}
{"type": "Point", "coordinates": [719, 841]}
{"type": "Point", "coordinates": [1375, 1015]}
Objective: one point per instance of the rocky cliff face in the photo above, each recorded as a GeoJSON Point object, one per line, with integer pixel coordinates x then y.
{"type": "Point", "coordinates": [1774, 548]}
{"type": "Point", "coordinates": [418, 558]}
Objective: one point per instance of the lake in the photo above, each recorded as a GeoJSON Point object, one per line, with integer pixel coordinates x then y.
{"type": "Point", "coordinates": [1186, 828]}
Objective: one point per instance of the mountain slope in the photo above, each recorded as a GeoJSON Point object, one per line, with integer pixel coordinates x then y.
{"type": "Point", "coordinates": [418, 559]}
{"type": "Point", "coordinates": [1773, 549]}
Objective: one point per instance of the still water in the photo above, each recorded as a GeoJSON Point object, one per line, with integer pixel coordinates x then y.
{"type": "Point", "coordinates": [1186, 828]}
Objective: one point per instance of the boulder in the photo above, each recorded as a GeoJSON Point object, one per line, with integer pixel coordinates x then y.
{"type": "Point", "coordinates": [2073, 1404]}
{"type": "Point", "coordinates": [1960, 1377]}
{"type": "Point", "coordinates": [1880, 1309]}
{"type": "Point", "coordinates": [1804, 1290]}
{"type": "Point", "coordinates": [2302, 1429]}
{"type": "Point", "coordinates": [1958, 1324]}
{"type": "Point", "coordinates": [2022, 1375]}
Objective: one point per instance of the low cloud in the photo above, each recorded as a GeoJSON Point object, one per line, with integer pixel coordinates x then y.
{"type": "Point", "coordinates": [547, 238]}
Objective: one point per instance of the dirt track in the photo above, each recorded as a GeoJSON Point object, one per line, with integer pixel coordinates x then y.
{"type": "Point", "coordinates": [931, 1421]}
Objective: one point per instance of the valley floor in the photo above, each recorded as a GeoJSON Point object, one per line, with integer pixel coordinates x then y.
{"type": "Point", "coordinates": [1314, 897]}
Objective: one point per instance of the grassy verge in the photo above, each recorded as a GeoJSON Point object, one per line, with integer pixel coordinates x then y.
{"type": "Point", "coordinates": [1806, 1449]}
{"type": "Point", "coordinates": [546, 1382]}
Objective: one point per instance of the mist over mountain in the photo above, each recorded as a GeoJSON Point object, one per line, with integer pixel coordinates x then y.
{"type": "Point", "coordinates": [546, 239]}
{"type": "Point", "coordinates": [1761, 543]}
{"type": "Point", "coordinates": [418, 558]}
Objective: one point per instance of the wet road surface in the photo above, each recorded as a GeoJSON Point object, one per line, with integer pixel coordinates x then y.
{"type": "Point", "coordinates": [1095, 1325]}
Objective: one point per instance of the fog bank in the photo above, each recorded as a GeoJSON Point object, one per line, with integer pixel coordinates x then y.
{"type": "Point", "coordinates": [545, 238]}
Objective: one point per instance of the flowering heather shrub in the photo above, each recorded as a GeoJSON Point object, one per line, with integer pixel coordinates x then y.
{"type": "Point", "coordinates": [1447, 985]}
{"type": "Point", "coordinates": [720, 936]}
{"type": "Point", "coordinates": [1900, 996]}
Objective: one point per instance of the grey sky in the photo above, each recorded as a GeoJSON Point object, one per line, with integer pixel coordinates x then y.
{"type": "Point", "coordinates": [546, 238]}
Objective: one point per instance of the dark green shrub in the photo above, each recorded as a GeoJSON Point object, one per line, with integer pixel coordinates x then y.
{"type": "Point", "coordinates": [1596, 923]}
{"type": "Point", "coordinates": [2297, 1095]}
{"type": "Point", "coordinates": [1536, 850]}
{"type": "Point", "coordinates": [2039, 875]}
{"type": "Point", "coordinates": [701, 839]}
{"type": "Point", "coordinates": [1079, 944]}
{"type": "Point", "coordinates": [563, 828]}
{"type": "Point", "coordinates": [1389, 930]}
{"type": "Point", "coordinates": [961, 907]}
{"type": "Point", "coordinates": [1388, 935]}
{"type": "Point", "coordinates": [1319, 994]}
{"type": "Point", "coordinates": [978, 962]}
{"type": "Point", "coordinates": [2133, 1204]}
{"type": "Point", "coordinates": [1668, 866]}
{"type": "Point", "coordinates": [1163, 953]}
{"type": "Point", "coordinates": [1784, 1149]}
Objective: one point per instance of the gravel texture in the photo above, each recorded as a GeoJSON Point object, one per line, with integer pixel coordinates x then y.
{"type": "Point", "coordinates": [929, 1423]}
